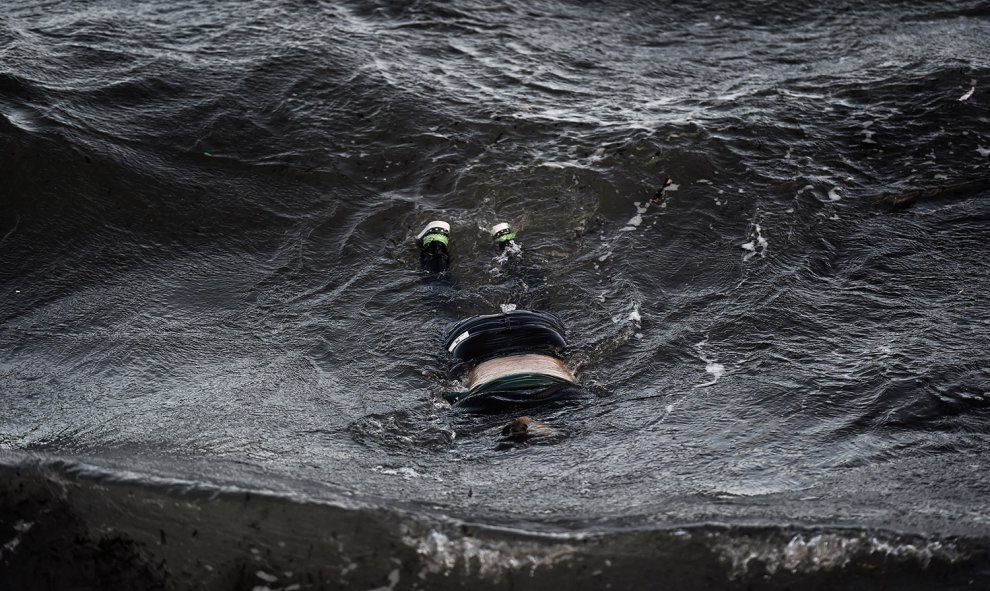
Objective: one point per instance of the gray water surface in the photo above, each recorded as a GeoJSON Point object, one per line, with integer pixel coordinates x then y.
{"type": "Point", "coordinates": [209, 270]}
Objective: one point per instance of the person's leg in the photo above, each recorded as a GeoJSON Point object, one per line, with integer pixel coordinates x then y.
{"type": "Point", "coordinates": [525, 281]}
{"type": "Point", "coordinates": [504, 237]}
{"type": "Point", "coordinates": [433, 242]}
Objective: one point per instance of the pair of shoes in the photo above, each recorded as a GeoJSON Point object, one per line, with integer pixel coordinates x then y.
{"type": "Point", "coordinates": [439, 231]}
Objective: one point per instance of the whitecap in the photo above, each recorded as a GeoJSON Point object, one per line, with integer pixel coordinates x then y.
{"type": "Point", "coordinates": [717, 370]}
{"type": "Point", "coordinates": [406, 472]}
{"type": "Point", "coordinates": [756, 246]}
{"type": "Point", "coordinates": [635, 221]}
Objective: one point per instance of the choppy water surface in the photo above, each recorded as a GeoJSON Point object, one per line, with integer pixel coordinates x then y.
{"type": "Point", "coordinates": [209, 274]}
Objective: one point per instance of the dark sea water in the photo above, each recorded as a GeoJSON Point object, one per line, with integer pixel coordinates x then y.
{"type": "Point", "coordinates": [220, 367]}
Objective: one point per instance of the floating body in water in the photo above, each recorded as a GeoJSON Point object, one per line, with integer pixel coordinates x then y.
{"type": "Point", "coordinates": [513, 360]}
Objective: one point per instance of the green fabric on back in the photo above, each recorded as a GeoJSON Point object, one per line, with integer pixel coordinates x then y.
{"type": "Point", "coordinates": [442, 238]}
{"type": "Point", "coordinates": [517, 381]}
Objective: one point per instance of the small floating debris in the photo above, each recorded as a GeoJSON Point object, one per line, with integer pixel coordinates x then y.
{"type": "Point", "coordinates": [969, 94]}
{"type": "Point", "coordinates": [668, 185]}
{"type": "Point", "coordinates": [983, 151]}
{"type": "Point", "coordinates": [833, 194]}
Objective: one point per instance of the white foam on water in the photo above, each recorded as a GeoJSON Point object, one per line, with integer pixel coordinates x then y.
{"type": "Point", "coordinates": [634, 316]}
{"type": "Point", "coordinates": [868, 133]}
{"type": "Point", "coordinates": [348, 568]}
{"type": "Point", "coordinates": [513, 249]}
{"type": "Point", "coordinates": [635, 221]}
{"type": "Point", "coordinates": [712, 366]}
{"type": "Point", "coordinates": [406, 472]}
{"type": "Point", "coordinates": [490, 559]}
{"type": "Point", "coordinates": [20, 527]}
{"type": "Point", "coordinates": [809, 552]}
{"type": "Point", "coordinates": [23, 526]}
{"type": "Point", "coordinates": [393, 580]}
{"type": "Point", "coordinates": [717, 370]}
{"type": "Point", "coordinates": [10, 546]}
{"type": "Point", "coordinates": [506, 308]}
{"type": "Point", "coordinates": [586, 163]}
{"type": "Point", "coordinates": [756, 246]}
